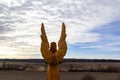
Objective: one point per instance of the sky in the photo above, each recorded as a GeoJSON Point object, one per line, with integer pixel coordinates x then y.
{"type": "Point", "coordinates": [92, 27]}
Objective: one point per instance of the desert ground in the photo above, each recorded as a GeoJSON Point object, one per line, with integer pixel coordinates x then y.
{"type": "Point", "coordinates": [37, 71]}
{"type": "Point", "coordinates": [35, 75]}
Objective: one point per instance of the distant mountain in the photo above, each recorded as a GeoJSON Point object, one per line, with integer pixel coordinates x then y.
{"type": "Point", "coordinates": [65, 60]}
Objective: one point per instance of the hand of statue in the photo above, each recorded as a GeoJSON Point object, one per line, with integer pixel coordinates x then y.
{"type": "Point", "coordinates": [43, 34]}
{"type": "Point", "coordinates": [62, 45]}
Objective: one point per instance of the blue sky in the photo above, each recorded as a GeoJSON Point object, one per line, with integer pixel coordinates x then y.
{"type": "Point", "coordinates": [92, 27]}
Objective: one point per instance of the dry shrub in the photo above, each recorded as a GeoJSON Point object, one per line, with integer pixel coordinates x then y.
{"type": "Point", "coordinates": [112, 69]}
{"type": "Point", "coordinates": [88, 77]}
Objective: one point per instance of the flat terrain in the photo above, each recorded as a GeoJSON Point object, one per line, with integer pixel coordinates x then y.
{"type": "Point", "coordinates": [36, 70]}
{"type": "Point", "coordinates": [36, 75]}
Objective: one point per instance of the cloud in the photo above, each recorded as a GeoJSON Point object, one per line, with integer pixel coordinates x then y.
{"type": "Point", "coordinates": [12, 3]}
{"type": "Point", "coordinates": [108, 44]}
{"type": "Point", "coordinates": [98, 46]}
{"type": "Point", "coordinates": [20, 21]}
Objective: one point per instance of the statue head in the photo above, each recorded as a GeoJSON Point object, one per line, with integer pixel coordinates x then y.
{"type": "Point", "coordinates": [53, 47]}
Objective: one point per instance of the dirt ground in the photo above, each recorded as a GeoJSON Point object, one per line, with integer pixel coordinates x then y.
{"type": "Point", "coordinates": [36, 75]}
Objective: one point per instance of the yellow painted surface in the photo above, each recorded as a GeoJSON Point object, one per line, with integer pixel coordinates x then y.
{"type": "Point", "coordinates": [53, 59]}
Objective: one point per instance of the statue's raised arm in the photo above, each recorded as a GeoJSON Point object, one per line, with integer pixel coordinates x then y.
{"type": "Point", "coordinates": [62, 45]}
{"type": "Point", "coordinates": [44, 45]}
{"type": "Point", "coordinates": [43, 35]}
{"type": "Point", "coordinates": [51, 55]}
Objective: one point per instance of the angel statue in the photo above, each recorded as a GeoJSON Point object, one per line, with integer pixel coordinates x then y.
{"type": "Point", "coordinates": [51, 55]}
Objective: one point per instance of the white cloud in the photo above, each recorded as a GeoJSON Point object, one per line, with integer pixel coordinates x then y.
{"type": "Point", "coordinates": [23, 18]}
{"type": "Point", "coordinates": [97, 46]}
{"type": "Point", "coordinates": [11, 3]}
{"type": "Point", "coordinates": [109, 44]}
{"type": "Point", "coordinates": [113, 44]}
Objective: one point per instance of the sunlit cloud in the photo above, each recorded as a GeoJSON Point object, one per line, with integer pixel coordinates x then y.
{"type": "Point", "coordinates": [20, 22]}
{"type": "Point", "coordinates": [11, 3]}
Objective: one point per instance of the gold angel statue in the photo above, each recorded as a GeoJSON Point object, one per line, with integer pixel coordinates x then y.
{"type": "Point", "coordinates": [51, 55]}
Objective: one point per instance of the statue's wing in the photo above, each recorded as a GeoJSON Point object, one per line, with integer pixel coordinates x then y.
{"type": "Point", "coordinates": [62, 45]}
{"type": "Point", "coordinates": [45, 45]}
